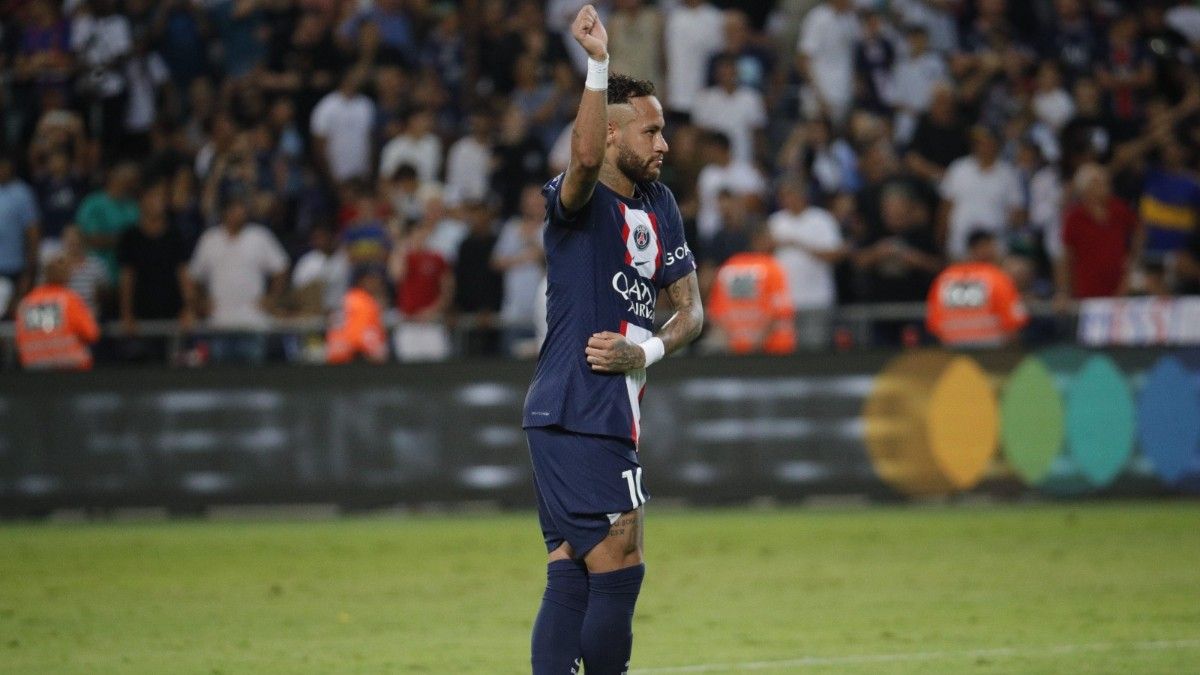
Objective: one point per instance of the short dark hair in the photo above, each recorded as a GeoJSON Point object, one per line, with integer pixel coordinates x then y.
{"type": "Point", "coordinates": [979, 236]}
{"type": "Point", "coordinates": [404, 172]}
{"type": "Point", "coordinates": [621, 88]}
{"type": "Point", "coordinates": [718, 139]}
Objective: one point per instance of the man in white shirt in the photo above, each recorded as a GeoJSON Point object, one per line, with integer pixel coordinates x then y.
{"type": "Point", "coordinates": [417, 146]}
{"type": "Point", "coordinates": [341, 128]}
{"type": "Point", "coordinates": [808, 243]}
{"type": "Point", "coordinates": [243, 268]}
{"type": "Point", "coordinates": [468, 164]}
{"type": "Point", "coordinates": [1184, 17]}
{"type": "Point", "coordinates": [979, 191]}
{"type": "Point", "coordinates": [695, 30]}
{"type": "Point", "coordinates": [724, 174]}
{"type": "Point", "coordinates": [729, 107]}
{"type": "Point", "coordinates": [826, 54]}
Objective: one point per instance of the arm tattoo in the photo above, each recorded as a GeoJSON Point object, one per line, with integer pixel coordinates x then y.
{"type": "Point", "coordinates": [626, 357]}
{"type": "Point", "coordinates": [685, 324]}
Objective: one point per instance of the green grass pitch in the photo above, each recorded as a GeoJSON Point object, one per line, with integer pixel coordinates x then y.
{"type": "Point", "coordinates": [1060, 588]}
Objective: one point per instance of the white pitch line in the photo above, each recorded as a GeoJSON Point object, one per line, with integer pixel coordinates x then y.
{"type": "Point", "coordinates": [856, 659]}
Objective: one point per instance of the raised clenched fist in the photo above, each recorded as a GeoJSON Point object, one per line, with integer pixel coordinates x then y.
{"type": "Point", "coordinates": [590, 33]}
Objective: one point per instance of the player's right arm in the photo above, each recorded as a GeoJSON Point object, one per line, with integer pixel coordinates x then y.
{"type": "Point", "coordinates": [589, 137]}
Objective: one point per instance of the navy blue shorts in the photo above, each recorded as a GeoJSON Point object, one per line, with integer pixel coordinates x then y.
{"type": "Point", "coordinates": [583, 484]}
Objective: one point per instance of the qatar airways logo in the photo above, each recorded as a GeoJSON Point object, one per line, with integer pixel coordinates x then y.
{"type": "Point", "coordinates": [637, 292]}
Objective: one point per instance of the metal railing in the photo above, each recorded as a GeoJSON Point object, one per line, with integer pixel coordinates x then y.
{"type": "Point", "coordinates": [850, 327]}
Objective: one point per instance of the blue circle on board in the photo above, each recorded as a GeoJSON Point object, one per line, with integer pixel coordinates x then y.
{"type": "Point", "coordinates": [1169, 421]}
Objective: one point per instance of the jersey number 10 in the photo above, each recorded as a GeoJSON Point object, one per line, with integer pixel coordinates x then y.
{"type": "Point", "coordinates": [633, 477]}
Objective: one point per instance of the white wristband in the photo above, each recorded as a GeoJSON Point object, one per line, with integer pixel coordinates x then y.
{"type": "Point", "coordinates": [597, 77]}
{"type": "Point", "coordinates": [654, 349]}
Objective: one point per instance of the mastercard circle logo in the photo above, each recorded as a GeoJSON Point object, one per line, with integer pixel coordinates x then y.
{"type": "Point", "coordinates": [1066, 421]}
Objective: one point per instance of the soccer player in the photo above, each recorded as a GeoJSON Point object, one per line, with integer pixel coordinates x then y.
{"type": "Point", "coordinates": [613, 238]}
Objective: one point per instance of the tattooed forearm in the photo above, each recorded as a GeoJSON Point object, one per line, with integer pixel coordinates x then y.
{"type": "Point", "coordinates": [610, 352]}
{"type": "Point", "coordinates": [627, 356]}
{"type": "Point", "coordinates": [685, 324]}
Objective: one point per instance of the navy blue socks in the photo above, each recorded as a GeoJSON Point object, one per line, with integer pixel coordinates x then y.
{"type": "Point", "coordinates": [608, 627]}
{"type": "Point", "coordinates": [556, 643]}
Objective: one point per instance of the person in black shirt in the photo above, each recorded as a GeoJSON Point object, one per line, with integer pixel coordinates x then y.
{"type": "Point", "coordinates": [153, 261]}
{"type": "Point", "coordinates": [519, 159]}
{"type": "Point", "coordinates": [874, 59]}
{"type": "Point", "coordinates": [303, 63]}
{"type": "Point", "coordinates": [1072, 39]}
{"type": "Point", "coordinates": [59, 191]}
{"type": "Point", "coordinates": [900, 261]}
{"type": "Point", "coordinates": [1090, 135]}
{"type": "Point", "coordinates": [731, 239]}
{"type": "Point", "coordinates": [1188, 272]}
{"type": "Point", "coordinates": [940, 138]}
{"type": "Point", "coordinates": [1172, 56]}
{"type": "Point", "coordinates": [478, 287]}
{"type": "Point", "coordinates": [755, 64]}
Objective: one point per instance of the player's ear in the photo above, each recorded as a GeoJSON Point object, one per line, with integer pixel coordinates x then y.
{"type": "Point", "coordinates": [613, 130]}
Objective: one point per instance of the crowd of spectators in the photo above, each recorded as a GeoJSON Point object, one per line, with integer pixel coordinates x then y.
{"type": "Point", "coordinates": [224, 163]}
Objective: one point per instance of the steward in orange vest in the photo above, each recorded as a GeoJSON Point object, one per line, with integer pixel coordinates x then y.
{"type": "Point", "coordinates": [749, 302]}
{"type": "Point", "coordinates": [357, 328]}
{"type": "Point", "coordinates": [54, 325]}
{"type": "Point", "coordinates": [975, 303]}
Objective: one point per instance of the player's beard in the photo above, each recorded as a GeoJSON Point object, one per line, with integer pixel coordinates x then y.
{"type": "Point", "coordinates": [634, 167]}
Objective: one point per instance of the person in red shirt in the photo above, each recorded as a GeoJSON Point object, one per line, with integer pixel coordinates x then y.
{"type": "Point", "coordinates": [425, 285]}
{"type": "Point", "coordinates": [1099, 232]}
{"type": "Point", "coordinates": [357, 330]}
{"type": "Point", "coordinates": [54, 324]}
{"type": "Point", "coordinates": [749, 303]}
{"type": "Point", "coordinates": [975, 302]}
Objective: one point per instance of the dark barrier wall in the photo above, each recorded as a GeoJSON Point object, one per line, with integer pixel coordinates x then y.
{"type": "Point", "coordinates": [715, 429]}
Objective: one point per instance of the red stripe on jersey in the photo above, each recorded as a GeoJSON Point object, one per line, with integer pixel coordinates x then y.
{"type": "Point", "coordinates": [658, 258]}
{"type": "Point", "coordinates": [625, 233]}
{"type": "Point", "coordinates": [624, 328]}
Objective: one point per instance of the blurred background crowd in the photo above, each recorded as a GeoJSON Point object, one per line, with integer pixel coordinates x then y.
{"type": "Point", "coordinates": [363, 177]}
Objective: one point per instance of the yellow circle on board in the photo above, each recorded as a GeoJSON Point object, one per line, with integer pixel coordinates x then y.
{"type": "Point", "coordinates": [931, 423]}
{"type": "Point", "coordinates": [962, 424]}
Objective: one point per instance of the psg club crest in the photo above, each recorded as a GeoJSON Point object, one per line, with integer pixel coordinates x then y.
{"type": "Point", "coordinates": [641, 237]}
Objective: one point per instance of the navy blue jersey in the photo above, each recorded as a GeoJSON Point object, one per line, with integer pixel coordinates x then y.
{"type": "Point", "coordinates": [606, 264]}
